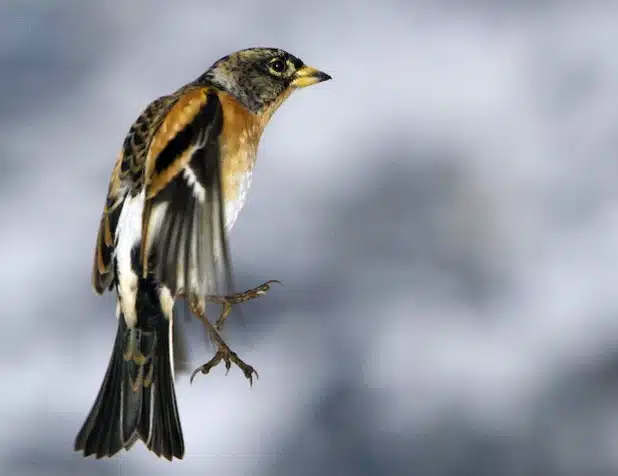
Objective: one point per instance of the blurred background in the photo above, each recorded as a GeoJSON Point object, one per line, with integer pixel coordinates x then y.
{"type": "Point", "coordinates": [443, 214]}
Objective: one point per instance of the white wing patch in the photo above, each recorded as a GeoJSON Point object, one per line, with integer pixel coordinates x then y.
{"type": "Point", "coordinates": [198, 190]}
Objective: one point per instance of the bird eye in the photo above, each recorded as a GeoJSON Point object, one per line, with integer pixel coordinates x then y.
{"type": "Point", "coordinates": [278, 66]}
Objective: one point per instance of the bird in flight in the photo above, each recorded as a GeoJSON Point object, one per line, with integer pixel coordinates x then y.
{"type": "Point", "coordinates": [179, 183]}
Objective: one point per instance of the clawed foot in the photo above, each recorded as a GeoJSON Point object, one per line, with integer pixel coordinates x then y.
{"type": "Point", "coordinates": [224, 353]}
{"type": "Point", "coordinates": [228, 301]}
{"type": "Point", "coordinates": [228, 356]}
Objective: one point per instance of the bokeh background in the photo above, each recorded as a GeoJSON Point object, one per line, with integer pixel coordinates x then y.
{"type": "Point", "coordinates": [444, 215]}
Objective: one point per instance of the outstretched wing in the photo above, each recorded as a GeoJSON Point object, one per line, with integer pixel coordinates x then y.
{"type": "Point", "coordinates": [127, 177]}
{"type": "Point", "coordinates": [184, 240]}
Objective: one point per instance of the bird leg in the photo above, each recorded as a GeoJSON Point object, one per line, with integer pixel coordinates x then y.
{"type": "Point", "coordinates": [223, 350]}
{"type": "Point", "coordinates": [228, 301]}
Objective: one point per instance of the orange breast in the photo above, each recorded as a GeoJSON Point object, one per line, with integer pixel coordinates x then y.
{"type": "Point", "coordinates": [239, 141]}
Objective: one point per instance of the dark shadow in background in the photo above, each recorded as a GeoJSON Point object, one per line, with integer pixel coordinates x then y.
{"type": "Point", "coordinates": [394, 223]}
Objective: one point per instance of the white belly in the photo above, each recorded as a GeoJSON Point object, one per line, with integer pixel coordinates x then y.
{"type": "Point", "coordinates": [241, 182]}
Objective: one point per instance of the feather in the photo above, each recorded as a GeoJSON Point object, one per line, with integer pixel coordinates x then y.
{"type": "Point", "coordinates": [184, 244]}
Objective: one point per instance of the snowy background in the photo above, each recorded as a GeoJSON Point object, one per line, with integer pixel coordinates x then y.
{"type": "Point", "coordinates": [444, 215]}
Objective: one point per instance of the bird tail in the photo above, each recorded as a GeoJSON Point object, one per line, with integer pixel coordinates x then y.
{"type": "Point", "coordinates": [137, 399]}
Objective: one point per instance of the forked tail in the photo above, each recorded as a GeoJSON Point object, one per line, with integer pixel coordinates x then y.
{"type": "Point", "coordinates": [137, 399]}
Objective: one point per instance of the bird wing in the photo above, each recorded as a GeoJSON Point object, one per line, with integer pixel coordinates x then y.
{"type": "Point", "coordinates": [184, 241]}
{"type": "Point", "coordinates": [172, 155]}
{"type": "Point", "coordinates": [127, 177]}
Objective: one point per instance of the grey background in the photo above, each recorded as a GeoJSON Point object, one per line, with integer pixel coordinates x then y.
{"type": "Point", "coordinates": [444, 215]}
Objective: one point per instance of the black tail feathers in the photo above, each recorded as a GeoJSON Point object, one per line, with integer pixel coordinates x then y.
{"type": "Point", "coordinates": [137, 399]}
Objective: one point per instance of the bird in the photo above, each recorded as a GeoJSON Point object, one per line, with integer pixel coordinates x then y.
{"type": "Point", "coordinates": [176, 190]}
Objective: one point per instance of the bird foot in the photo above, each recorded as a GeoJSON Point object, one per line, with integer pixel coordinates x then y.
{"type": "Point", "coordinates": [225, 354]}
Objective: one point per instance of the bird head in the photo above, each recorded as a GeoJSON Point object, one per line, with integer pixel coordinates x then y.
{"type": "Point", "coordinates": [262, 78]}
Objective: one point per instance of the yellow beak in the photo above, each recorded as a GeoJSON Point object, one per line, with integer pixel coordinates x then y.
{"type": "Point", "coordinates": [306, 76]}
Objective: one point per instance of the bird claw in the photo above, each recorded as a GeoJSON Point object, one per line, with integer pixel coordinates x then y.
{"type": "Point", "coordinates": [224, 353]}
{"type": "Point", "coordinates": [228, 357]}
{"type": "Point", "coordinates": [264, 288]}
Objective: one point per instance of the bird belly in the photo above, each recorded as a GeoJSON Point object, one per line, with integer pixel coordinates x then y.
{"type": "Point", "coordinates": [236, 198]}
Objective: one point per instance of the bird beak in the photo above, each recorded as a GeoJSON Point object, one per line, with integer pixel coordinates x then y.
{"type": "Point", "coordinates": [306, 76]}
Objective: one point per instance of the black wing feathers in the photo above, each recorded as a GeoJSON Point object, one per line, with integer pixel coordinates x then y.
{"type": "Point", "coordinates": [191, 246]}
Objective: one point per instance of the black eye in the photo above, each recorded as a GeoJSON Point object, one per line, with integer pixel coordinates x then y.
{"type": "Point", "coordinates": [278, 66]}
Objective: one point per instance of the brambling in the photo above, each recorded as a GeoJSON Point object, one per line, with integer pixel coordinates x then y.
{"type": "Point", "coordinates": [176, 190]}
